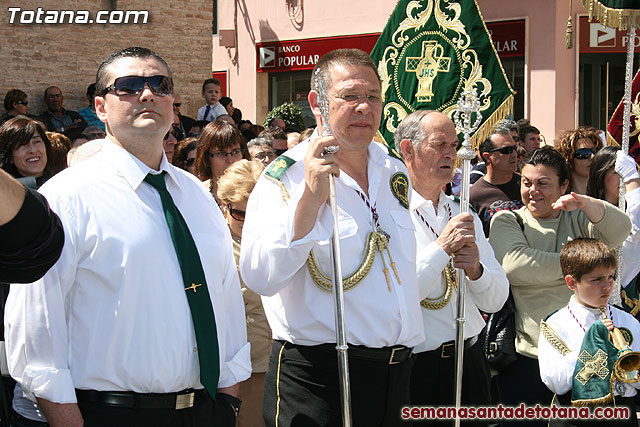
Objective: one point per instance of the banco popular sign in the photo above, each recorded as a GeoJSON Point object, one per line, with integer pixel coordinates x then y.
{"type": "Point", "coordinates": [304, 54]}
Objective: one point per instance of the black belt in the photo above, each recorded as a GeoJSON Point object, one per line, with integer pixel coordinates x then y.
{"type": "Point", "coordinates": [448, 349]}
{"type": "Point", "coordinates": [128, 399]}
{"type": "Point", "coordinates": [387, 355]}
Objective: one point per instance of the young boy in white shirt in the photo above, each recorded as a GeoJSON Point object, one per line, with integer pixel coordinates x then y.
{"type": "Point", "coordinates": [211, 92]}
{"type": "Point", "coordinates": [589, 268]}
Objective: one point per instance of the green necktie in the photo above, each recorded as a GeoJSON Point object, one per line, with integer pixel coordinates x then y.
{"type": "Point", "coordinates": [195, 285]}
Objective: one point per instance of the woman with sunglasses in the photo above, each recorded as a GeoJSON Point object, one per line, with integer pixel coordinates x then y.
{"type": "Point", "coordinates": [578, 148]}
{"type": "Point", "coordinates": [527, 243]}
{"type": "Point", "coordinates": [608, 166]}
{"type": "Point", "coordinates": [234, 188]}
{"type": "Point", "coordinates": [184, 156]}
{"type": "Point", "coordinates": [220, 145]}
{"type": "Point", "coordinates": [15, 104]}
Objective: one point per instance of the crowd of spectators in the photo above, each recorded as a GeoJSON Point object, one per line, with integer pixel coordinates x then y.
{"type": "Point", "coordinates": [517, 188]}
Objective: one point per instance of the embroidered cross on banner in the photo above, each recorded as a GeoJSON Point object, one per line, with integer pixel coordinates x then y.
{"type": "Point", "coordinates": [593, 365]}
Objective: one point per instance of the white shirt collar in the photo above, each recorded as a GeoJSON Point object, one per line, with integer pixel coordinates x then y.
{"type": "Point", "coordinates": [131, 168]}
{"type": "Point", "coordinates": [417, 201]}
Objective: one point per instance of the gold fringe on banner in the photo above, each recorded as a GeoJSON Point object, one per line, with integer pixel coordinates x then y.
{"type": "Point", "coordinates": [598, 401]}
{"type": "Point", "coordinates": [621, 19]}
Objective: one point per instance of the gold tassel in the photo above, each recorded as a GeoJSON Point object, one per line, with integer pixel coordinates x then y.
{"type": "Point", "coordinates": [386, 271]}
{"type": "Point", "coordinates": [569, 43]}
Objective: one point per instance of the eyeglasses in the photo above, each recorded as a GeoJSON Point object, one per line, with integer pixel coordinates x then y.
{"type": "Point", "coordinates": [583, 153]}
{"type": "Point", "coordinates": [25, 103]}
{"type": "Point", "coordinates": [516, 138]}
{"type": "Point", "coordinates": [236, 214]}
{"type": "Point", "coordinates": [354, 99]}
{"type": "Point", "coordinates": [504, 150]}
{"type": "Point", "coordinates": [177, 104]}
{"type": "Point", "coordinates": [190, 161]}
{"type": "Point", "coordinates": [222, 155]}
{"type": "Point", "coordinates": [54, 95]}
{"type": "Point", "coordinates": [265, 154]}
{"type": "Point", "coordinates": [133, 85]}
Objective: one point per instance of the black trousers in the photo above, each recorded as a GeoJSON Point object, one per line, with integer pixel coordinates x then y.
{"type": "Point", "coordinates": [433, 381]}
{"type": "Point", "coordinates": [520, 383]}
{"type": "Point", "coordinates": [302, 388]}
{"type": "Point", "coordinates": [206, 412]}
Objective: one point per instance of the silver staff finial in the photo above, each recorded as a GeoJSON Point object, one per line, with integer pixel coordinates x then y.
{"type": "Point", "coordinates": [323, 102]}
{"type": "Point", "coordinates": [467, 104]}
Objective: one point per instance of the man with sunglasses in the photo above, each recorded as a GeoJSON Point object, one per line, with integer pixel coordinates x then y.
{"type": "Point", "coordinates": [446, 239]}
{"type": "Point", "coordinates": [141, 321]}
{"type": "Point", "coordinates": [499, 189]}
{"type": "Point", "coordinates": [286, 251]}
{"type": "Point", "coordinates": [183, 124]}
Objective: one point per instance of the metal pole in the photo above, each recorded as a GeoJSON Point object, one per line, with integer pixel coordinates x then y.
{"type": "Point", "coordinates": [626, 124]}
{"type": "Point", "coordinates": [338, 290]}
{"type": "Point", "coordinates": [467, 104]}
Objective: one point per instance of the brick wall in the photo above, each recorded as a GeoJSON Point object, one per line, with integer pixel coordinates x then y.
{"type": "Point", "coordinates": [35, 56]}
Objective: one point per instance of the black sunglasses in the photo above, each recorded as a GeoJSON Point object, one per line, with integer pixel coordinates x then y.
{"type": "Point", "coordinates": [190, 161]}
{"type": "Point", "coordinates": [504, 150]}
{"type": "Point", "coordinates": [583, 153]}
{"type": "Point", "coordinates": [133, 85]}
{"type": "Point", "coordinates": [23, 102]}
{"type": "Point", "coordinates": [237, 214]}
{"type": "Point", "coordinates": [177, 104]}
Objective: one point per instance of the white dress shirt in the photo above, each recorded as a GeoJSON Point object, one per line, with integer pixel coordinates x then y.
{"type": "Point", "coordinates": [631, 246]}
{"type": "Point", "coordinates": [112, 314]}
{"type": "Point", "coordinates": [556, 370]}
{"type": "Point", "coordinates": [488, 293]}
{"type": "Point", "coordinates": [274, 266]}
{"type": "Point", "coordinates": [214, 112]}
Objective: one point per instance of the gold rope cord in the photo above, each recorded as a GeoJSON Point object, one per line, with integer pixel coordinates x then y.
{"type": "Point", "coordinates": [630, 302]}
{"type": "Point", "coordinates": [621, 19]}
{"type": "Point", "coordinates": [554, 339]}
{"type": "Point", "coordinates": [450, 280]}
{"type": "Point", "coordinates": [373, 242]}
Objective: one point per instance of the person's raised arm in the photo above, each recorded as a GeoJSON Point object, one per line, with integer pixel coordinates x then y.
{"type": "Point", "coordinates": [12, 194]}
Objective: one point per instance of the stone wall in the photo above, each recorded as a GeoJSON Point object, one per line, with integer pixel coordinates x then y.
{"type": "Point", "coordinates": [37, 55]}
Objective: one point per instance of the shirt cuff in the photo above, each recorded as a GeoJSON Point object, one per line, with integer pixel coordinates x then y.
{"type": "Point", "coordinates": [237, 369]}
{"type": "Point", "coordinates": [483, 282]}
{"type": "Point", "coordinates": [52, 384]}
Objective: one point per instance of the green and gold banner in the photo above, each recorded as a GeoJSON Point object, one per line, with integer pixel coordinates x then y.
{"type": "Point", "coordinates": [429, 53]}
{"type": "Point", "coordinates": [592, 382]}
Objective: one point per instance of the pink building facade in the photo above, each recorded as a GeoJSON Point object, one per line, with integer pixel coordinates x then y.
{"type": "Point", "coordinates": [265, 49]}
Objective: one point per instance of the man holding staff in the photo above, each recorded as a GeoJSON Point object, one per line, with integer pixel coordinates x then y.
{"type": "Point", "coordinates": [447, 240]}
{"type": "Point", "coordinates": [285, 257]}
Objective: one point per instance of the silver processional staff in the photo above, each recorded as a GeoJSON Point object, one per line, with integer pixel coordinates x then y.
{"type": "Point", "coordinates": [338, 290]}
{"type": "Point", "coordinates": [468, 104]}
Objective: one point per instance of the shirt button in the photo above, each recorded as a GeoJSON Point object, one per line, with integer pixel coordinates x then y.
{"type": "Point", "coordinates": [195, 349]}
